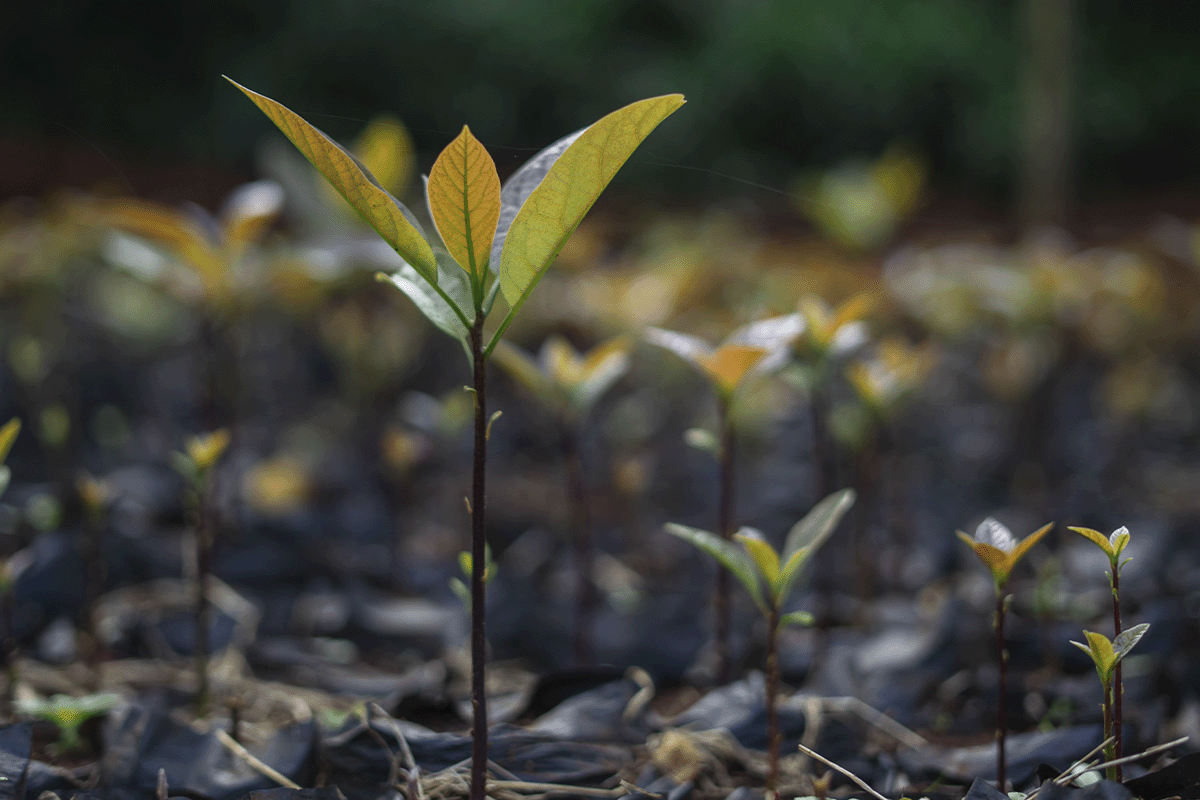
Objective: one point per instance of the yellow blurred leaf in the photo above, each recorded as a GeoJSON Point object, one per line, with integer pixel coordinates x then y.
{"type": "Point", "coordinates": [206, 449]}
{"type": "Point", "coordinates": [277, 486]}
{"type": "Point", "coordinates": [8, 435]}
{"type": "Point", "coordinates": [386, 150]}
{"type": "Point", "coordinates": [730, 364]}
{"type": "Point", "coordinates": [464, 199]}
{"type": "Point", "coordinates": [382, 211]}
{"type": "Point", "coordinates": [559, 203]}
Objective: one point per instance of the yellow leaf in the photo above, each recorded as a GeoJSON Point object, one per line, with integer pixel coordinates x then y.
{"type": "Point", "coordinates": [1029, 541]}
{"type": "Point", "coordinates": [385, 148]}
{"type": "Point", "coordinates": [464, 199]}
{"type": "Point", "coordinates": [8, 435]}
{"type": "Point", "coordinates": [559, 203]}
{"type": "Point", "coordinates": [1102, 650]}
{"type": "Point", "coordinates": [1096, 536]}
{"type": "Point", "coordinates": [205, 449]}
{"type": "Point", "coordinates": [172, 229]}
{"type": "Point", "coordinates": [382, 211]}
{"type": "Point", "coordinates": [729, 364]}
{"type": "Point", "coordinates": [765, 558]}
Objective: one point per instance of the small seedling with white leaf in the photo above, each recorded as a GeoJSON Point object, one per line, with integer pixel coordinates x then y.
{"type": "Point", "coordinates": [770, 576]}
{"type": "Point", "coordinates": [1106, 656]}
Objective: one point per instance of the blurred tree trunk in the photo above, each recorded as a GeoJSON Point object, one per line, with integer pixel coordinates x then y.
{"type": "Point", "coordinates": [1046, 132]}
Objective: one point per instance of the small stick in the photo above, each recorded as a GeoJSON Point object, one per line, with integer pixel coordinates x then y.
{"type": "Point", "coordinates": [843, 770]}
{"type": "Point", "coordinates": [255, 764]}
{"type": "Point", "coordinates": [1075, 770]}
{"type": "Point", "coordinates": [414, 771]}
{"type": "Point", "coordinates": [548, 788]}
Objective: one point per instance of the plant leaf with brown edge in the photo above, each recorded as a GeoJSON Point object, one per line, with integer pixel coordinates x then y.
{"type": "Point", "coordinates": [464, 200]}
{"type": "Point", "coordinates": [729, 555]}
{"type": "Point", "coordinates": [765, 558]}
{"type": "Point", "coordinates": [387, 215]}
{"type": "Point", "coordinates": [555, 208]}
{"type": "Point", "coordinates": [8, 435]}
{"type": "Point", "coordinates": [809, 534]}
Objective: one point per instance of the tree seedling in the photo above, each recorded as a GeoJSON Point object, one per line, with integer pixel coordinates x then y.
{"type": "Point", "coordinates": [570, 383]}
{"type": "Point", "coordinates": [487, 240]}
{"type": "Point", "coordinates": [1107, 655]}
{"type": "Point", "coordinates": [1000, 551]}
{"type": "Point", "coordinates": [68, 714]}
{"type": "Point", "coordinates": [749, 352]}
{"type": "Point", "coordinates": [769, 577]}
{"type": "Point", "coordinates": [1113, 546]}
{"type": "Point", "coordinates": [196, 463]}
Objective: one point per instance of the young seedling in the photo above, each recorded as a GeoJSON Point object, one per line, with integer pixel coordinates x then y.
{"type": "Point", "coordinates": [769, 577]}
{"type": "Point", "coordinates": [569, 384]}
{"type": "Point", "coordinates": [94, 496]}
{"type": "Point", "coordinates": [68, 715]}
{"type": "Point", "coordinates": [1113, 547]}
{"type": "Point", "coordinates": [1107, 655]}
{"type": "Point", "coordinates": [8, 435]}
{"type": "Point", "coordinates": [1000, 551]}
{"type": "Point", "coordinates": [196, 463]}
{"type": "Point", "coordinates": [749, 352]}
{"type": "Point", "coordinates": [488, 239]}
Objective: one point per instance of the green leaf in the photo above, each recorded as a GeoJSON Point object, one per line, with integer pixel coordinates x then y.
{"type": "Point", "coordinates": [1102, 651]}
{"type": "Point", "coordinates": [524, 370]}
{"type": "Point", "coordinates": [807, 535]}
{"type": "Point", "coordinates": [796, 618]}
{"type": "Point", "coordinates": [1126, 639]}
{"type": "Point", "coordinates": [1097, 537]}
{"type": "Point", "coordinates": [8, 435]}
{"type": "Point", "coordinates": [520, 185]}
{"type": "Point", "coordinates": [430, 303]}
{"type": "Point", "coordinates": [464, 199]}
{"type": "Point", "coordinates": [387, 215]}
{"type": "Point", "coordinates": [5, 476]}
{"type": "Point", "coordinates": [765, 558]}
{"type": "Point", "coordinates": [556, 207]}
{"type": "Point", "coordinates": [732, 557]}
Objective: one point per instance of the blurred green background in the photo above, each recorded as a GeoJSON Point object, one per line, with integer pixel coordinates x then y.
{"type": "Point", "coordinates": [130, 92]}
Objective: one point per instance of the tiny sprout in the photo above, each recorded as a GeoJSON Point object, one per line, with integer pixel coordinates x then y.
{"type": "Point", "coordinates": [1113, 547]}
{"type": "Point", "coordinates": [68, 714]}
{"type": "Point", "coordinates": [769, 577]}
{"type": "Point", "coordinates": [1106, 656]}
{"type": "Point", "coordinates": [999, 550]}
{"type": "Point", "coordinates": [8, 435]}
{"type": "Point", "coordinates": [833, 331]}
{"type": "Point", "coordinates": [459, 587]}
{"type": "Point", "coordinates": [206, 449]}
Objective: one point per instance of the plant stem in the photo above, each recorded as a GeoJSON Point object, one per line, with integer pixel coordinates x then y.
{"type": "Point", "coordinates": [1110, 772]}
{"type": "Point", "coordinates": [582, 522]}
{"type": "Point", "coordinates": [1002, 701]}
{"type": "Point", "coordinates": [725, 515]}
{"type": "Point", "coordinates": [204, 547]}
{"type": "Point", "coordinates": [479, 731]}
{"type": "Point", "coordinates": [772, 700]}
{"type": "Point", "coordinates": [1118, 687]}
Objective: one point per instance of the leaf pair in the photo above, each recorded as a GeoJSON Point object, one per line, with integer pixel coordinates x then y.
{"type": "Point", "coordinates": [749, 351]}
{"type": "Point", "coordinates": [508, 235]}
{"type": "Point", "coordinates": [999, 550]}
{"type": "Point", "coordinates": [563, 378]}
{"type": "Point", "coordinates": [1107, 654]}
{"type": "Point", "coordinates": [770, 576]}
{"type": "Point", "coordinates": [1112, 545]}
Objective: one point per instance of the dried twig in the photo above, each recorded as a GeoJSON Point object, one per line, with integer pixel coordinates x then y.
{"type": "Point", "coordinates": [253, 762]}
{"type": "Point", "coordinates": [842, 770]}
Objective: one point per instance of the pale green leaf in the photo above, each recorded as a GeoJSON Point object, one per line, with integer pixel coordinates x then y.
{"type": "Point", "coordinates": [433, 305]}
{"type": "Point", "coordinates": [387, 215]}
{"type": "Point", "coordinates": [1097, 537]}
{"type": "Point", "coordinates": [765, 558]}
{"type": "Point", "coordinates": [524, 370]}
{"type": "Point", "coordinates": [796, 618]}
{"type": "Point", "coordinates": [732, 557]}
{"type": "Point", "coordinates": [690, 348]}
{"type": "Point", "coordinates": [807, 535]}
{"type": "Point", "coordinates": [556, 207]}
{"type": "Point", "coordinates": [1102, 651]}
{"type": "Point", "coordinates": [464, 199]}
{"type": "Point", "coordinates": [520, 185]}
{"type": "Point", "coordinates": [1127, 639]}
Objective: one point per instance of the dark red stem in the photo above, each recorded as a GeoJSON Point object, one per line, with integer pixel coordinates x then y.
{"type": "Point", "coordinates": [1118, 685]}
{"type": "Point", "coordinates": [772, 701]}
{"type": "Point", "coordinates": [1002, 702]}
{"type": "Point", "coordinates": [479, 731]}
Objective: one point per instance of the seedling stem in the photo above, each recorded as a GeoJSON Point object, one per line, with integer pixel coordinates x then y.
{"type": "Point", "coordinates": [479, 739]}
{"type": "Point", "coordinates": [725, 525]}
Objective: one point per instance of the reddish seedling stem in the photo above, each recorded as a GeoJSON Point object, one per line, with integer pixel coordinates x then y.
{"type": "Point", "coordinates": [479, 731]}
{"type": "Point", "coordinates": [1118, 686]}
{"type": "Point", "coordinates": [1002, 701]}
{"type": "Point", "coordinates": [772, 699]}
